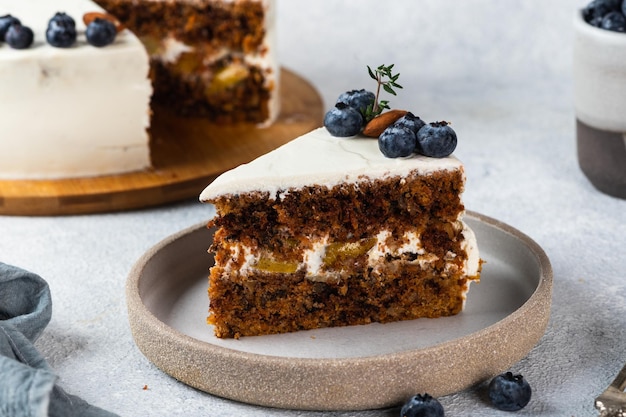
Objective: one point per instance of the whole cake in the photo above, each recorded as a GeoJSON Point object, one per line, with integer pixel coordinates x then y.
{"type": "Point", "coordinates": [75, 108]}
{"type": "Point", "coordinates": [327, 231]}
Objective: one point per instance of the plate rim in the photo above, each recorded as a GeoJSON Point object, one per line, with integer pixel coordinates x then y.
{"type": "Point", "coordinates": [149, 332]}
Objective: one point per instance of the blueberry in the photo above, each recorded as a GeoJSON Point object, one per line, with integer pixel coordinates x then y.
{"type": "Point", "coordinates": [5, 22]}
{"type": "Point", "coordinates": [411, 122]}
{"type": "Point", "coordinates": [509, 392]}
{"type": "Point", "coordinates": [19, 37]}
{"type": "Point", "coordinates": [614, 21]}
{"type": "Point", "coordinates": [357, 99]}
{"type": "Point", "coordinates": [436, 140]}
{"type": "Point", "coordinates": [596, 21]}
{"type": "Point", "coordinates": [61, 31]}
{"type": "Point", "coordinates": [396, 141]}
{"type": "Point", "coordinates": [100, 32]}
{"type": "Point", "coordinates": [343, 120]}
{"type": "Point", "coordinates": [62, 19]}
{"type": "Point", "coordinates": [422, 406]}
{"type": "Point", "coordinates": [597, 9]}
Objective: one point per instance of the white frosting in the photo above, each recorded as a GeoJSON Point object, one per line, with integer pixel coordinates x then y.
{"type": "Point", "coordinates": [172, 49]}
{"type": "Point", "coordinates": [76, 111]}
{"type": "Point", "coordinates": [268, 61]}
{"type": "Point", "coordinates": [470, 245]}
{"type": "Point", "coordinates": [314, 258]}
{"type": "Point", "coordinates": [599, 75]}
{"type": "Point", "coordinates": [321, 159]}
{"type": "Point", "coordinates": [380, 250]}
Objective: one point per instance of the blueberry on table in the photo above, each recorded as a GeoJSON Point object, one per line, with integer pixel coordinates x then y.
{"type": "Point", "coordinates": [614, 21]}
{"type": "Point", "coordinates": [509, 392]}
{"type": "Point", "coordinates": [343, 120]}
{"type": "Point", "coordinates": [422, 406]}
{"type": "Point", "coordinates": [5, 22]}
{"type": "Point", "coordinates": [100, 32]}
{"type": "Point", "coordinates": [357, 99]}
{"type": "Point", "coordinates": [19, 37]}
{"type": "Point", "coordinates": [396, 142]}
{"type": "Point", "coordinates": [411, 122]}
{"type": "Point", "coordinates": [436, 140]}
{"type": "Point", "coordinates": [61, 31]}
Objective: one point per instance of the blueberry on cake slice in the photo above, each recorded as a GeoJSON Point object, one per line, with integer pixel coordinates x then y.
{"type": "Point", "coordinates": [330, 231]}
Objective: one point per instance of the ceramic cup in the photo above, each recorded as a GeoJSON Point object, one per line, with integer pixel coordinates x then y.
{"type": "Point", "coordinates": [599, 75]}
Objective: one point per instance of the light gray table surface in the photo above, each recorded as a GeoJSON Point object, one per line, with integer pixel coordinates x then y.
{"type": "Point", "coordinates": [501, 73]}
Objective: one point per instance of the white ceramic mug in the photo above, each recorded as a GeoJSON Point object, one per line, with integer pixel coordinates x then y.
{"type": "Point", "coordinates": [599, 75]}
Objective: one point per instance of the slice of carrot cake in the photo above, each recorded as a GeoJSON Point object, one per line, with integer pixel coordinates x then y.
{"type": "Point", "coordinates": [327, 231]}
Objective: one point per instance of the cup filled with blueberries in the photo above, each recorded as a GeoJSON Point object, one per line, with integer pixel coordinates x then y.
{"type": "Point", "coordinates": [599, 85]}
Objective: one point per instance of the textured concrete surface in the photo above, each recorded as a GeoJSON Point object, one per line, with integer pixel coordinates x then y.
{"type": "Point", "coordinates": [501, 73]}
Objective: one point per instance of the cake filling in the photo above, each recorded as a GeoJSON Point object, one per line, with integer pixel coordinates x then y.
{"type": "Point", "coordinates": [317, 262]}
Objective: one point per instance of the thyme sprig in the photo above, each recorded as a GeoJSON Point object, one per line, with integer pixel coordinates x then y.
{"type": "Point", "coordinates": [388, 81]}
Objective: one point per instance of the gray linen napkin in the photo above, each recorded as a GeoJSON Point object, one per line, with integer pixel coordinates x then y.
{"type": "Point", "coordinates": [27, 384]}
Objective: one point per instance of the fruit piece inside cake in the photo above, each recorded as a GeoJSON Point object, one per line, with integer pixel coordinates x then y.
{"type": "Point", "coordinates": [209, 58]}
{"type": "Point", "coordinates": [327, 231]}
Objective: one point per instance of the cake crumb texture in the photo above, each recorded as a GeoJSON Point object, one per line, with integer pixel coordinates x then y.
{"type": "Point", "coordinates": [206, 56]}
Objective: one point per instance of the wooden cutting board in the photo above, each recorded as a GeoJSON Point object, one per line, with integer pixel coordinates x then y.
{"type": "Point", "coordinates": [187, 154]}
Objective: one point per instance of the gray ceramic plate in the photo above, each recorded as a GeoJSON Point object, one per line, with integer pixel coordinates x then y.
{"type": "Point", "coordinates": [358, 367]}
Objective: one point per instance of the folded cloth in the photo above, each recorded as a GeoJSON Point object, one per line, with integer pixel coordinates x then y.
{"type": "Point", "coordinates": [28, 386]}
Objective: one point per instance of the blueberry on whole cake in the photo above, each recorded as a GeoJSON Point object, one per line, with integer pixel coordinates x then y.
{"type": "Point", "coordinates": [328, 230]}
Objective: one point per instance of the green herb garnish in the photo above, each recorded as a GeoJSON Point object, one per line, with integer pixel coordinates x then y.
{"type": "Point", "coordinates": [385, 79]}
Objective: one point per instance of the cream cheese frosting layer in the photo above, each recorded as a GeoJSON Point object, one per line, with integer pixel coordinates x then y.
{"type": "Point", "coordinates": [71, 112]}
{"type": "Point", "coordinates": [313, 259]}
{"type": "Point", "coordinates": [321, 159]}
{"type": "Point", "coordinates": [268, 61]}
